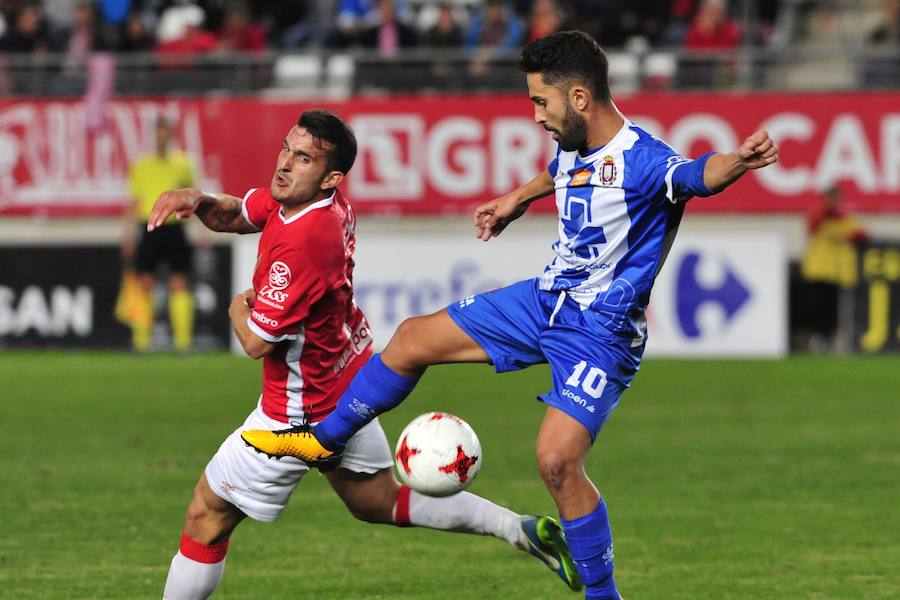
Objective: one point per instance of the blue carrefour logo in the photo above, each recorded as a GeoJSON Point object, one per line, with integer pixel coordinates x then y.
{"type": "Point", "coordinates": [691, 295]}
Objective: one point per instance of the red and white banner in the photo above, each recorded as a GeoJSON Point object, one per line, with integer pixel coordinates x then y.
{"type": "Point", "coordinates": [435, 155]}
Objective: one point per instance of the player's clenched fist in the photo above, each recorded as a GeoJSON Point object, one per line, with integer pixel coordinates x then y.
{"type": "Point", "coordinates": [181, 203]}
{"type": "Point", "coordinates": [242, 304]}
{"type": "Point", "coordinates": [758, 150]}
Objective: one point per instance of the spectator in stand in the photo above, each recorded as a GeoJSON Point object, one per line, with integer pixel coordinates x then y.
{"type": "Point", "coordinates": [389, 34]}
{"type": "Point", "coordinates": [114, 12]}
{"type": "Point", "coordinates": [882, 69]}
{"type": "Point", "coordinates": [60, 16]}
{"type": "Point", "coordinates": [137, 37]}
{"type": "Point", "coordinates": [27, 31]}
{"type": "Point", "coordinates": [496, 27]}
{"type": "Point", "coordinates": [110, 21]}
{"type": "Point", "coordinates": [446, 70]}
{"type": "Point", "coordinates": [353, 18]}
{"type": "Point", "coordinates": [887, 32]}
{"type": "Point", "coordinates": [546, 18]}
{"type": "Point", "coordinates": [712, 29]}
{"type": "Point", "coordinates": [180, 31]}
{"type": "Point", "coordinates": [614, 23]}
{"type": "Point", "coordinates": [239, 33]}
{"type": "Point", "coordinates": [681, 15]}
{"type": "Point", "coordinates": [764, 27]}
{"type": "Point", "coordinates": [712, 37]}
{"type": "Point", "coordinates": [84, 36]}
{"type": "Point", "coordinates": [446, 32]}
{"type": "Point", "coordinates": [291, 25]}
{"type": "Point", "coordinates": [829, 266]}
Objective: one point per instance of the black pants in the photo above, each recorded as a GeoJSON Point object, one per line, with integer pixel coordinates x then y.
{"type": "Point", "coordinates": [167, 244]}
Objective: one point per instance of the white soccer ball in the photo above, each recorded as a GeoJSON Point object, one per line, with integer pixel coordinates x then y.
{"type": "Point", "coordinates": [438, 454]}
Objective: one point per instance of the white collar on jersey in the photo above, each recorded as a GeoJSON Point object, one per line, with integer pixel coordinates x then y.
{"type": "Point", "coordinates": [608, 144]}
{"type": "Point", "coordinates": [320, 204]}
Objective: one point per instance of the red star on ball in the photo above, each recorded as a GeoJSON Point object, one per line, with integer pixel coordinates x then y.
{"type": "Point", "coordinates": [461, 465]}
{"type": "Point", "coordinates": [404, 454]}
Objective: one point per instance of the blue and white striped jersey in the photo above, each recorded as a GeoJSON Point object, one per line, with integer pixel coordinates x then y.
{"type": "Point", "coordinates": [619, 208]}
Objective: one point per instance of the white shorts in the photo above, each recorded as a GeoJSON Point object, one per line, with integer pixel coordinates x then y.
{"type": "Point", "coordinates": [261, 486]}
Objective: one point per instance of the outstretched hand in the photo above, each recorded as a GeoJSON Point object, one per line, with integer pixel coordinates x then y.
{"type": "Point", "coordinates": [491, 218]}
{"type": "Point", "coordinates": [757, 151]}
{"type": "Point", "coordinates": [181, 203]}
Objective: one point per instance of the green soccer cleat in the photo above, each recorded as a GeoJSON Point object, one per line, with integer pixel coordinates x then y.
{"type": "Point", "coordinates": [547, 543]}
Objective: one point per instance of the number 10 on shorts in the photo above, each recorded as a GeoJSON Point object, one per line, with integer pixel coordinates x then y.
{"type": "Point", "coordinates": [593, 382]}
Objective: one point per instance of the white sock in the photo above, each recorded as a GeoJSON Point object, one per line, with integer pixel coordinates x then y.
{"type": "Point", "coordinates": [462, 512]}
{"type": "Point", "coordinates": [192, 580]}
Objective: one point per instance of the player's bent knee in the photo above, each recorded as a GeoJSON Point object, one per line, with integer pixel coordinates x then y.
{"type": "Point", "coordinates": [557, 468]}
{"type": "Point", "coordinates": [428, 340]}
{"type": "Point", "coordinates": [209, 519]}
{"type": "Point", "coordinates": [410, 343]}
{"type": "Point", "coordinates": [198, 520]}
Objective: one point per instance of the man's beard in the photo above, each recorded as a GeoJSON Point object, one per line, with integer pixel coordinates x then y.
{"type": "Point", "coordinates": [573, 135]}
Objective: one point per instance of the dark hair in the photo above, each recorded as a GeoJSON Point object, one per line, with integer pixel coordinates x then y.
{"type": "Point", "coordinates": [325, 126]}
{"type": "Point", "coordinates": [567, 56]}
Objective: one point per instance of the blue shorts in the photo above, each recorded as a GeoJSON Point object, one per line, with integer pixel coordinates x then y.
{"type": "Point", "coordinates": [521, 325]}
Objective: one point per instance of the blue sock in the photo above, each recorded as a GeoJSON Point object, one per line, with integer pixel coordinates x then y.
{"type": "Point", "coordinates": [375, 389]}
{"type": "Point", "coordinates": [590, 543]}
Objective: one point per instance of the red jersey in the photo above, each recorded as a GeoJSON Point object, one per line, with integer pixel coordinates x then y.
{"type": "Point", "coordinates": [304, 303]}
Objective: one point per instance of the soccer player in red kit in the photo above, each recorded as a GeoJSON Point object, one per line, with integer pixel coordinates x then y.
{"type": "Point", "coordinates": [300, 318]}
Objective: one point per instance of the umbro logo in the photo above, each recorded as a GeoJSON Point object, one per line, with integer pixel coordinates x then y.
{"type": "Point", "coordinates": [608, 556]}
{"type": "Point", "coordinates": [362, 409]}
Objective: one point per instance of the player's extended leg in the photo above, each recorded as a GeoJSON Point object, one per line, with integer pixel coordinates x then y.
{"type": "Point", "coordinates": [386, 380]}
{"type": "Point", "coordinates": [198, 566]}
{"type": "Point", "coordinates": [562, 447]}
{"type": "Point", "coordinates": [379, 498]}
{"type": "Point", "coordinates": [380, 385]}
{"type": "Point", "coordinates": [432, 339]}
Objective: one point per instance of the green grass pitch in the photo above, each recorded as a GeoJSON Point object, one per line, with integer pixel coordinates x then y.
{"type": "Point", "coordinates": [724, 480]}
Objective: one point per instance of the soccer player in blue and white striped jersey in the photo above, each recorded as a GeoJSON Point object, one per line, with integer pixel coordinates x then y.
{"type": "Point", "coordinates": [620, 193]}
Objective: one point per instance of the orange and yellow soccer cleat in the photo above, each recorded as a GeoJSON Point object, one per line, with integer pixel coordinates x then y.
{"type": "Point", "coordinates": [297, 441]}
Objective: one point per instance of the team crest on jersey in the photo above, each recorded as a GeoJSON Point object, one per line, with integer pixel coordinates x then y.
{"type": "Point", "coordinates": [608, 171]}
{"type": "Point", "coordinates": [279, 275]}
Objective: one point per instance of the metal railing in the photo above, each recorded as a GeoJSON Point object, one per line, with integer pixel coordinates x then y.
{"type": "Point", "coordinates": [144, 74]}
{"type": "Point", "coordinates": [446, 71]}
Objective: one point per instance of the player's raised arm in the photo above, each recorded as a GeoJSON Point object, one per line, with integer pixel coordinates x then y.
{"type": "Point", "coordinates": [491, 218]}
{"type": "Point", "coordinates": [219, 212]}
{"type": "Point", "coordinates": [756, 152]}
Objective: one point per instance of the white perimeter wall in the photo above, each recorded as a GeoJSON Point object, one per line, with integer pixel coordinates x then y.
{"type": "Point", "coordinates": [408, 266]}
{"type": "Point", "coordinates": [723, 291]}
